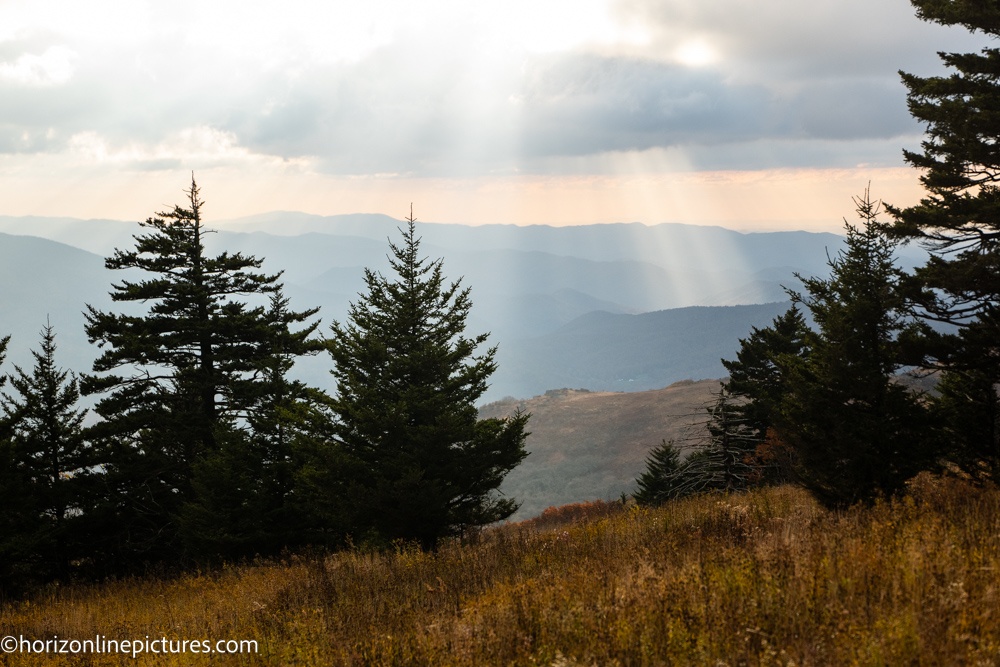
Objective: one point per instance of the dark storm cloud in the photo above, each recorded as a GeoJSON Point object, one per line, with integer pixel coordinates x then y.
{"type": "Point", "coordinates": [586, 104]}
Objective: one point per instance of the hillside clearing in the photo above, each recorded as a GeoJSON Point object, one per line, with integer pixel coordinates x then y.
{"type": "Point", "coordinates": [758, 579]}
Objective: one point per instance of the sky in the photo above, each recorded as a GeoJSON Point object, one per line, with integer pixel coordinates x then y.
{"type": "Point", "coordinates": [754, 115]}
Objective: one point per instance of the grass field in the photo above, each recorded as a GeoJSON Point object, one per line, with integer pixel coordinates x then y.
{"type": "Point", "coordinates": [766, 578]}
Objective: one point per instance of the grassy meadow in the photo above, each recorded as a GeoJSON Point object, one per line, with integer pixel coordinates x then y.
{"type": "Point", "coordinates": [765, 578]}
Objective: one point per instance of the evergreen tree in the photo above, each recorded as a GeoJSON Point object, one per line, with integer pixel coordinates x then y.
{"type": "Point", "coordinates": [755, 379]}
{"type": "Point", "coordinates": [732, 446]}
{"type": "Point", "coordinates": [407, 382]}
{"type": "Point", "coordinates": [15, 521]}
{"type": "Point", "coordinates": [968, 409]}
{"type": "Point", "coordinates": [48, 462]}
{"type": "Point", "coordinates": [757, 386]}
{"type": "Point", "coordinates": [242, 501]}
{"type": "Point", "coordinates": [856, 431]}
{"type": "Point", "coordinates": [722, 459]}
{"type": "Point", "coordinates": [177, 380]}
{"type": "Point", "coordinates": [959, 219]}
{"type": "Point", "coordinates": [660, 481]}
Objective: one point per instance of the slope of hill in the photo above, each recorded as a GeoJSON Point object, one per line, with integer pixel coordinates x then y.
{"type": "Point", "coordinates": [48, 281]}
{"type": "Point", "coordinates": [621, 352]}
{"type": "Point", "coordinates": [587, 445]}
{"type": "Point", "coordinates": [761, 578]}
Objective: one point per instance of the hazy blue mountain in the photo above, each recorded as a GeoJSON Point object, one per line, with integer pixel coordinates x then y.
{"type": "Point", "coordinates": [44, 280]}
{"type": "Point", "coordinates": [629, 285]}
{"type": "Point", "coordinates": [514, 316]}
{"type": "Point", "coordinates": [676, 245]}
{"type": "Point", "coordinates": [604, 307]}
{"type": "Point", "coordinates": [294, 223]}
{"type": "Point", "coordinates": [95, 236]}
{"type": "Point", "coordinates": [305, 258]}
{"type": "Point", "coordinates": [604, 351]}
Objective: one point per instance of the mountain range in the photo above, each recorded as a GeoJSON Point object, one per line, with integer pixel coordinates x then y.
{"type": "Point", "coordinates": [601, 307]}
{"type": "Point", "coordinates": [611, 336]}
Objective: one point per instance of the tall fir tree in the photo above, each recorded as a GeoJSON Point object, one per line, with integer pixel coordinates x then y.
{"type": "Point", "coordinates": [756, 381]}
{"type": "Point", "coordinates": [49, 463]}
{"type": "Point", "coordinates": [177, 380]}
{"type": "Point", "coordinates": [959, 218]}
{"type": "Point", "coordinates": [857, 432]}
{"type": "Point", "coordinates": [242, 502]}
{"type": "Point", "coordinates": [407, 384]}
{"type": "Point", "coordinates": [731, 447]}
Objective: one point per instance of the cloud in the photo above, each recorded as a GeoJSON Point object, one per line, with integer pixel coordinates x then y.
{"type": "Point", "coordinates": [384, 114]}
{"type": "Point", "coordinates": [774, 40]}
{"type": "Point", "coordinates": [55, 66]}
{"type": "Point", "coordinates": [194, 148]}
{"type": "Point", "coordinates": [457, 88]}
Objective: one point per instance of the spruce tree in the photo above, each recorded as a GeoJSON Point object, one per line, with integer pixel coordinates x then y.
{"type": "Point", "coordinates": [16, 522]}
{"type": "Point", "coordinates": [242, 493]}
{"type": "Point", "coordinates": [660, 481]}
{"type": "Point", "coordinates": [756, 382]}
{"type": "Point", "coordinates": [756, 387]}
{"type": "Point", "coordinates": [407, 384]}
{"type": "Point", "coordinates": [968, 410]}
{"type": "Point", "coordinates": [48, 462]}
{"type": "Point", "coordinates": [722, 458]}
{"type": "Point", "coordinates": [857, 432]}
{"type": "Point", "coordinates": [959, 218]}
{"type": "Point", "coordinates": [177, 380]}
{"type": "Point", "coordinates": [731, 448]}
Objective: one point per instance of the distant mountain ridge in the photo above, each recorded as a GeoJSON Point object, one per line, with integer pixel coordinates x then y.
{"type": "Point", "coordinates": [632, 352]}
{"type": "Point", "coordinates": [602, 242]}
{"type": "Point", "coordinates": [48, 281]}
{"type": "Point", "coordinates": [590, 306]}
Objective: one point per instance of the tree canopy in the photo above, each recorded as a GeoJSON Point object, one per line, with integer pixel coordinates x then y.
{"type": "Point", "coordinates": [857, 432]}
{"type": "Point", "coordinates": [958, 221]}
{"type": "Point", "coordinates": [46, 481]}
{"type": "Point", "coordinates": [407, 382]}
{"type": "Point", "coordinates": [756, 376]}
{"type": "Point", "coordinates": [181, 380]}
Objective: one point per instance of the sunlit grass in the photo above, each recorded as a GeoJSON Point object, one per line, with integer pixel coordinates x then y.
{"type": "Point", "coordinates": [766, 578]}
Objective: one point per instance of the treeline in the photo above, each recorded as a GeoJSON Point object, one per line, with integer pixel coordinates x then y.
{"type": "Point", "coordinates": [203, 447]}
{"type": "Point", "coordinates": [828, 406]}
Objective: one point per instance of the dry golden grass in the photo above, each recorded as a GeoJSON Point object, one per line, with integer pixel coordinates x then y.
{"type": "Point", "coordinates": [765, 578]}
